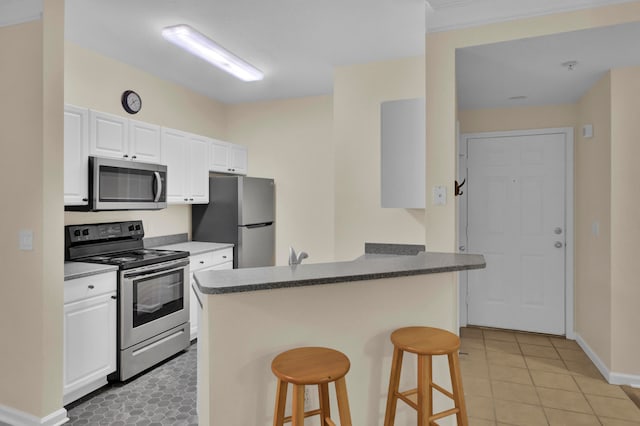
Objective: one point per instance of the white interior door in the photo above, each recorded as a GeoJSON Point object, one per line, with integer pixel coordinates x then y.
{"type": "Point", "coordinates": [516, 217]}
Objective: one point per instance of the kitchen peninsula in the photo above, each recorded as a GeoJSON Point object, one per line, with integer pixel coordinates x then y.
{"type": "Point", "coordinates": [251, 315]}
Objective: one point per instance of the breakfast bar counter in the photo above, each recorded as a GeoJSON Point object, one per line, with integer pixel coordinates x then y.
{"type": "Point", "coordinates": [251, 315]}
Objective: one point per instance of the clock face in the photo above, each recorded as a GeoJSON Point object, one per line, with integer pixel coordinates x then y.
{"type": "Point", "coordinates": [131, 101]}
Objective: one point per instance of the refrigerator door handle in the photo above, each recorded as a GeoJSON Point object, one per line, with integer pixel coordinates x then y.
{"type": "Point", "coordinates": [258, 225]}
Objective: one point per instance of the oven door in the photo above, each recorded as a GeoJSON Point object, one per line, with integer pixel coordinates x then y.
{"type": "Point", "coordinates": [153, 300]}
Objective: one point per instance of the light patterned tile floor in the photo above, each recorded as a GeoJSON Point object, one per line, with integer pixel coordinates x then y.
{"type": "Point", "coordinates": [518, 379]}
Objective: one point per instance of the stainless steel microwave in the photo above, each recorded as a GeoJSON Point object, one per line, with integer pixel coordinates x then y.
{"type": "Point", "coordinates": [116, 184]}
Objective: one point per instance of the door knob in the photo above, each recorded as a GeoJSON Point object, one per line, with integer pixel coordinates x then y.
{"type": "Point", "coordinates": [557, 231]}
{"type": "Point", "coordinates": [462, 248]}
{"type": "Point", "coordinates": [558, 244]}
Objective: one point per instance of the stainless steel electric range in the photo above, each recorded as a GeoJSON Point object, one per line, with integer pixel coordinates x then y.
{"type": "Point", "coordinates": [153, 291]}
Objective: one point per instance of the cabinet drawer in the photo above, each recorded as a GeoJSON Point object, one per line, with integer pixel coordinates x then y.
{"type": "Point", "coordinates": [207, 260]}
{"type": "Point", "coordinates": [85, 287]}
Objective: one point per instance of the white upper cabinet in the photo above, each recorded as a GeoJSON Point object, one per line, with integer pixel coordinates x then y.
{"type": "Point", "coordinates": [119, 137]}
{"type": "Point", "coordinates": [76, 162]}
{"type": "Point", "coordinates": [228, 158]}
{"type": "Point", "coordinates": [403, 153]}
{"type": "Point", "coordinates": [239, 159]}
{"type": "Point", "coordinates": [199, 169]}
{"type": "Point", "coordinates": [186, 157]}
{"type": "Point", "coordinates": [144, 141]}
{"type": "Point", "coordinates": [109, 136]}
{"type": "Point", "coordinates": [219, 161]}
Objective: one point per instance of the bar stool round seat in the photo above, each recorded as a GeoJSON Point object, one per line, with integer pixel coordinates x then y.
{"type": "Point", "coordinates": [425, 342]}
{"type": "Point", "coordinates": [309, 366]}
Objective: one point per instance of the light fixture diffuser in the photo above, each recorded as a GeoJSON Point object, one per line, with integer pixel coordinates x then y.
{"type": "Point", "coordinates": [202, 46]}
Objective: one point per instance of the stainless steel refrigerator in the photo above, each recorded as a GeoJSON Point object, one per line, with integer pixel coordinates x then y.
{"type": "Point", "coordinates": [241, 211]}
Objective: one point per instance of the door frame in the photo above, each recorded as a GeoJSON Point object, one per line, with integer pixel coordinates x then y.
{"type": "Point", "coordinates": [463, 140]}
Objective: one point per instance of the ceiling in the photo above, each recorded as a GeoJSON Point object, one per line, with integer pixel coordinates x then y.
{"type": "Point", "coordinates": [297, 43]}
{"type": "Point", "coordinates": [488, 75]}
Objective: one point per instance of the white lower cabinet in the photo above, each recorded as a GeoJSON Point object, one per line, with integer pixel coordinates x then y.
{"type": "Point", "coordinates": [90, 315]}
{"type": "Point", "coordinates": [220, 259]}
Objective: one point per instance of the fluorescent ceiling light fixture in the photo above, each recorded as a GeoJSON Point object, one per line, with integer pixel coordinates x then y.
{"type": "Point", "coordinates": [200, 45]}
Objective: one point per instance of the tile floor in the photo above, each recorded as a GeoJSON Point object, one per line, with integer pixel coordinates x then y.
{"type": "Point", "coordinates": [163, 396]}
{"type": "Point", "coordinates": [509, 378]}
{"type": "Point", "coordinates": [513, 378]}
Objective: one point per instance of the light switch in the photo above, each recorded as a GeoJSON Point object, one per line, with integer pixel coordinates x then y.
{"type": "Point", "coordinates": [439, 195]}
{"type": "Point", "coordinates": [595, 228]}
{"type": "Point", "coordinates": [587, 131]}
{"type": "Point", "coordinates": [25, 239]}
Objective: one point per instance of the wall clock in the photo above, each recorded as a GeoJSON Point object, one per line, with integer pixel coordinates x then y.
{"type": "Point", "coordinates": [131, 101]}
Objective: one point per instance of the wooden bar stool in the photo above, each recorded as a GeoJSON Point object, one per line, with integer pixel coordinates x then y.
{"type": "Point", "coordinates": [311, 366]}
{"type": "Point", "coordinates": [425, 342]}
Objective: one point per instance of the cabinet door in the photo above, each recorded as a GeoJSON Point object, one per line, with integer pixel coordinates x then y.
{"type": "Point", "coordinates": [89, 340]}
{"type": "Point", "coordinates": [76, 161]}
{"type": "Point", "coordinates": [199, 170]}
{"type": "Point", "coordinates": [402, 152]}
{"type": "Point", "coordinates": [239, 161]}
{"type": "Point", "coordinates": [175, 154]}
{"type": "Point", "coordinates": [144, 142]}
{"type": "Point", "coordinates": [108, 135]}
{"type": "Point", "coordinates": [220, 156]}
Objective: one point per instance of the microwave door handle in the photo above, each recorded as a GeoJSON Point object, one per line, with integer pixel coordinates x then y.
{"type": "Point", "coordinates": [158, 186]}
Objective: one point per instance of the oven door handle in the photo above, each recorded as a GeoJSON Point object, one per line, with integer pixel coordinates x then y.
{"type": "Point", "coordinates": [154, 272]}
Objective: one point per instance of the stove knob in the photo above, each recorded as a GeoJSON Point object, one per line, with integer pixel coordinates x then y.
{"type": "Point", "coordinates": [131, 228]}
{"type": "Point", "coordinates": [76, 233]}
{"type": "Point", "coordinates": [137, 227]}
{"type": "Point", "coordinates": [85, 232]}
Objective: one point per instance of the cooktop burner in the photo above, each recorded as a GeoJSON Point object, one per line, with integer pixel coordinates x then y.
{"type": "Point", "coordinates": [135, 258]}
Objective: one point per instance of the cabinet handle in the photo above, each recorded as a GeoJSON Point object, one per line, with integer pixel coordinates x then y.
{"type": "Point", "coordinates": [91, 286]}
{"type": "Point", "coordinates": [134, 157]}
{"type": "Point", "coordinates": [114, 297]}
{"type": "Point", "coordinates": [126, 156]}
{"type": "Point", "coordinates": [85, 199]}
{"type": "Point", "coordinates": [202, 262]}
{"type": "Point", "coordinates": [224, 257]}
{"type": "Point", "coordinates": [190, 199]}
{"type": "Point", "coordinates": [186, 199]}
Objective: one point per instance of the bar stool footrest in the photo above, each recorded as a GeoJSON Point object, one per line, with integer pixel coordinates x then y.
{"type": "Point", "coordinates": [442, 390]}
{"type": "Point", "coordinates": [306, 414]}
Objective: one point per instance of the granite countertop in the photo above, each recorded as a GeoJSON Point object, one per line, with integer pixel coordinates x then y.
{"type": "Point", "coordinates": [368, 267]}
{"type": "Point", "coordinates": [74, 270]}
{"type": "Point", "coordinates": [195, 247]}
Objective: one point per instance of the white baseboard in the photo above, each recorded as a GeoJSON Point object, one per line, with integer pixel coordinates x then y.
{"type": "Point", "coordinates": [15, 417]}
{"type": "Point", "coordinates": [611, 376]}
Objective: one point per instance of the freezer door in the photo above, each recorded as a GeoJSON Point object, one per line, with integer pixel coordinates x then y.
{"type": "Point", "coordinates": [256, 246]}
{"type": "Point", "coordinates": [256, 201]}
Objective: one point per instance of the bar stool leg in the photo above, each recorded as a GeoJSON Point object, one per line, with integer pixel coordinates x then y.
{"type": "Point", "coordinates": [343, 402]}
{"type": "Point", "coordinates": [394, 384]}
{"type": "Point", "coordinates": [325, 407]}
{"type": "Point", "coordinates": [425, 405]}
{"type": "Point", "coordinates": [281, 400]}
{"type": "Point", "coordinates": [458, 392]}
{"type": "Point", "coordinates": [297, 406]}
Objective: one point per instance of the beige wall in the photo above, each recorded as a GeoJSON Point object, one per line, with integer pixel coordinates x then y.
{"type": "Point", "coordinates": [440, 221]}
{"type": "Point", "coordinates": [357, 94]}
{"type": "Point", "coordinates": [291, 141]}
{"type": "Point", "coordinates": [517, 118]}
{"type": "Point", "coordinates": [440, 86]}
{"type": "Point", "coordinates": [593, 205]}
{"type": "Point", "coordinates": [95, 81]}
{"type": "Point", "coordinates": [625, 226]}
{"type": "Point", "coordinates": [31, 172]}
